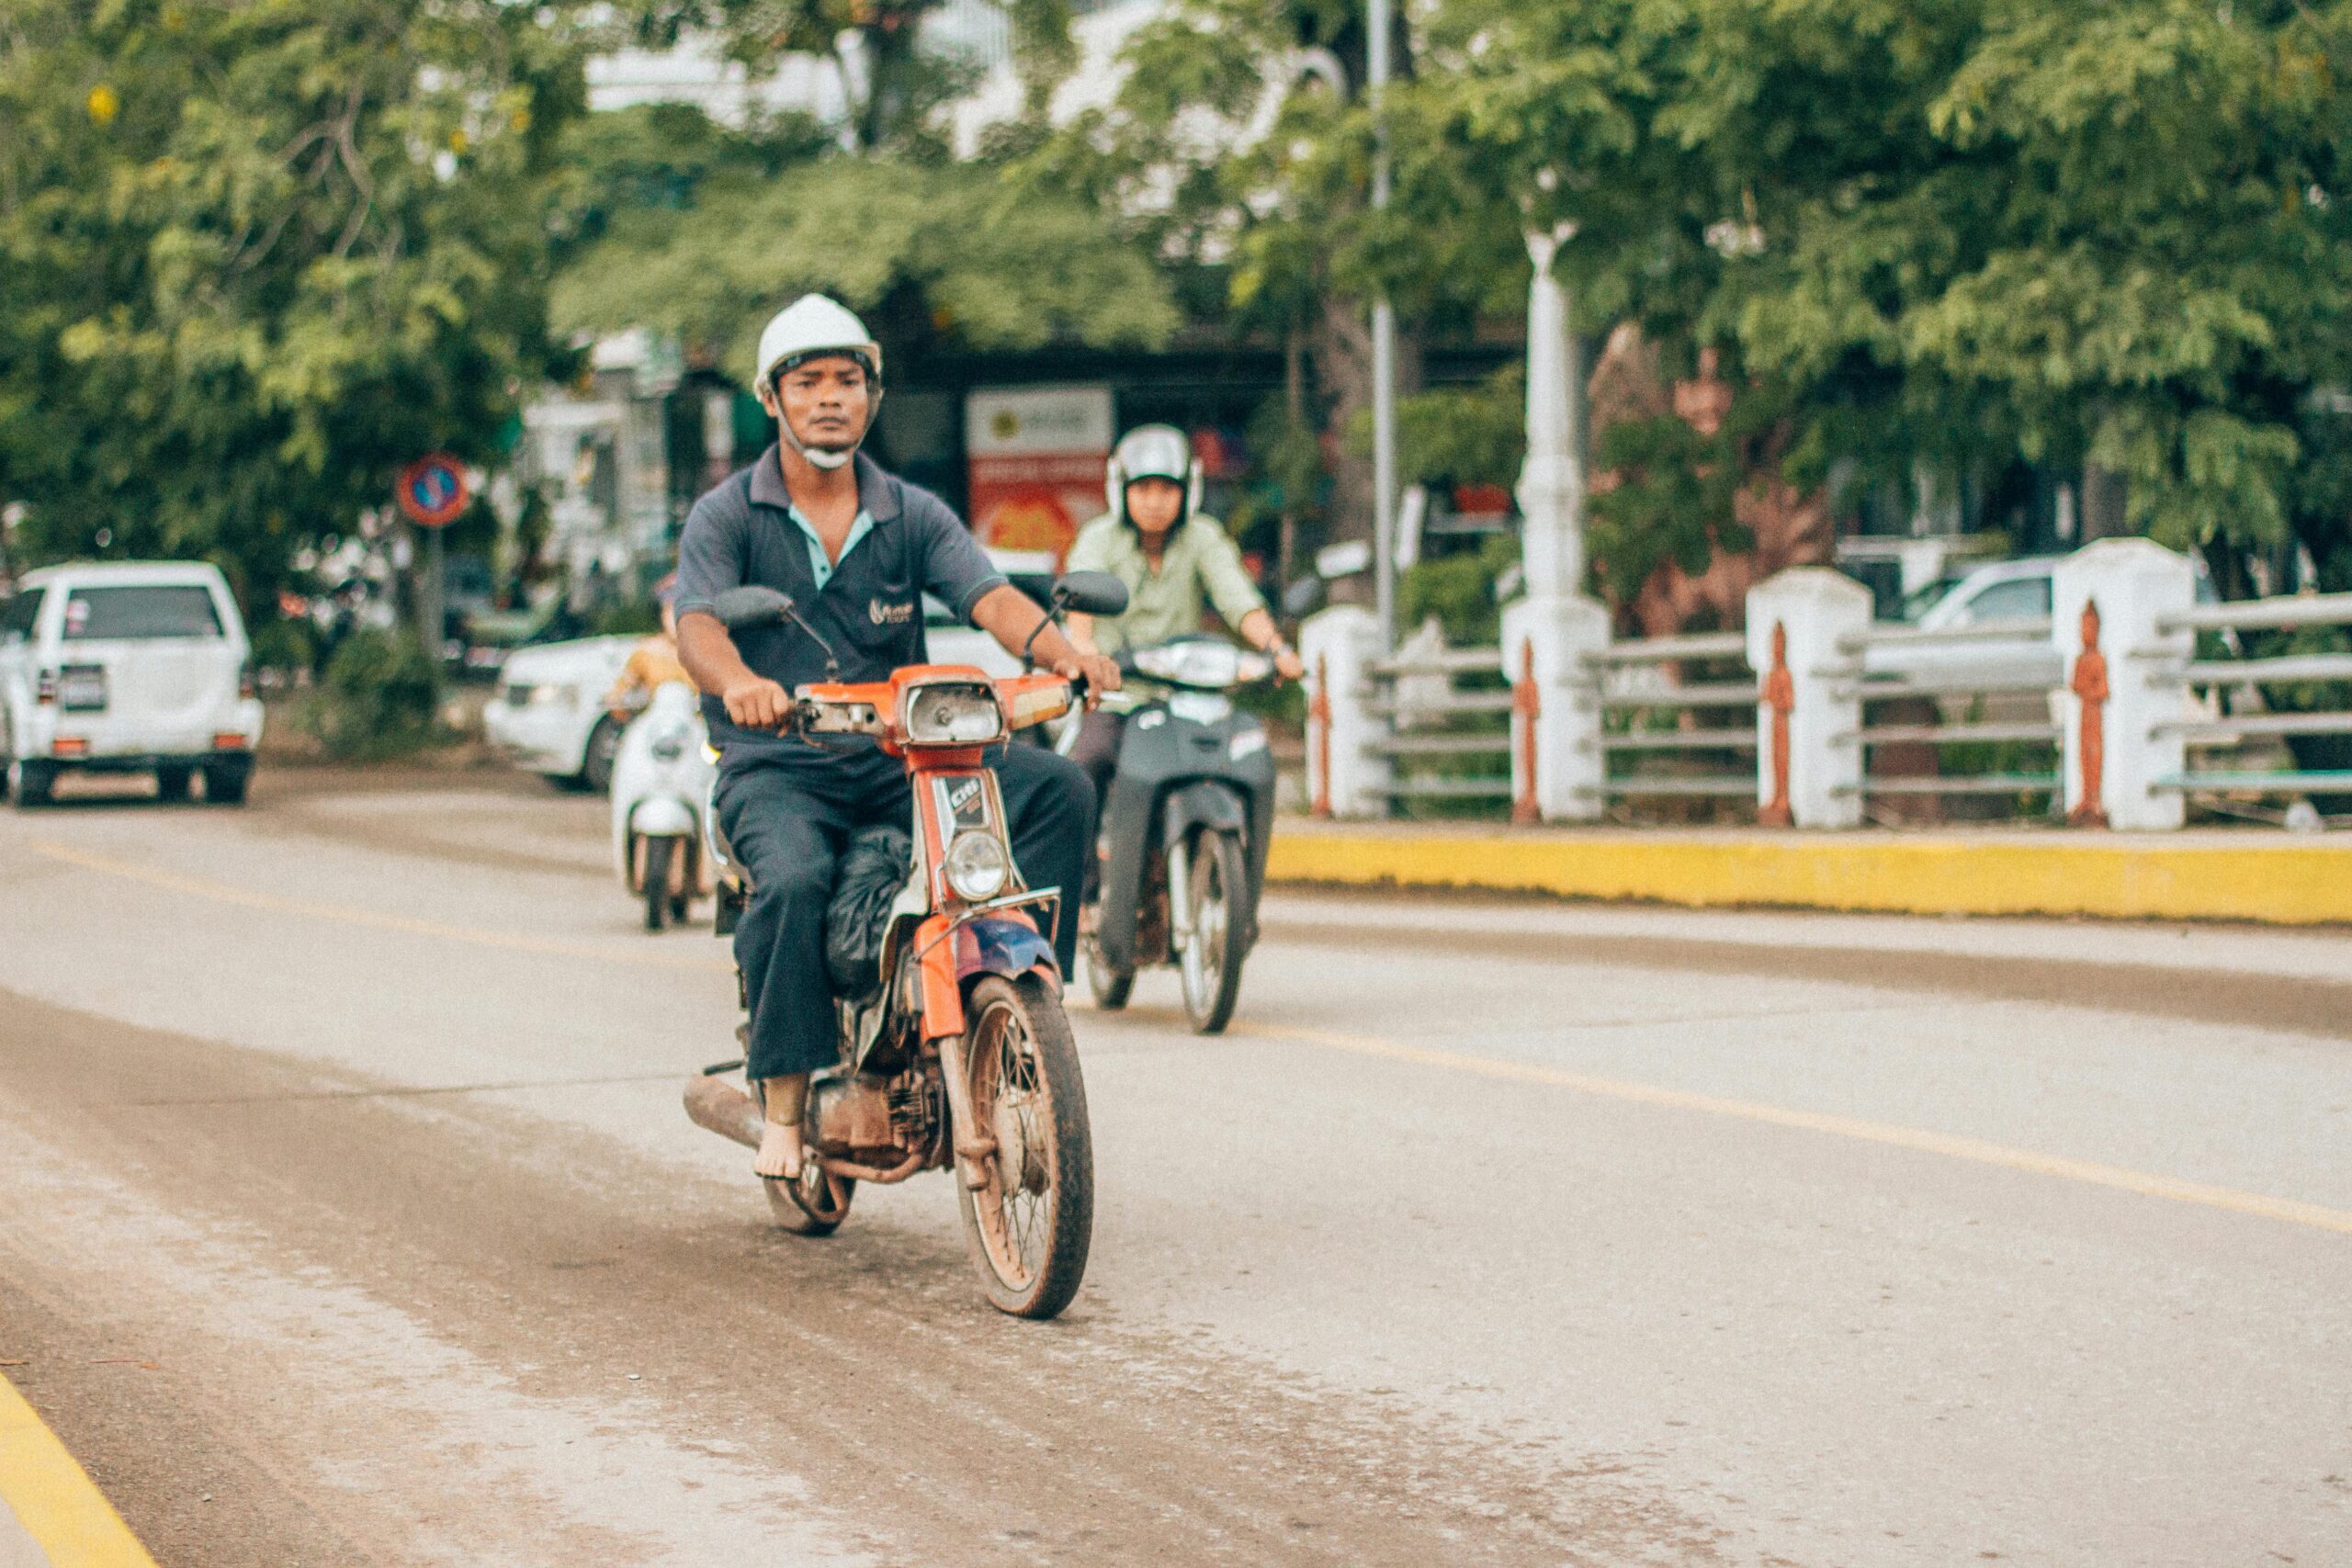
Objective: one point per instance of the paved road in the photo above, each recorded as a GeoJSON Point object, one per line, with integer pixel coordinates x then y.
{"type": "Point", "coordinates": [350, 1218]}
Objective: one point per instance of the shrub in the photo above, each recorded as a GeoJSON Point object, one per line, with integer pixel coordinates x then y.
{"type": "Point", "coordinates": [378, 700]}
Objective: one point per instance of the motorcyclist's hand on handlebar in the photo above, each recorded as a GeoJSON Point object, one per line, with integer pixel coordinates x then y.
{"type": "Point", "coordinates": [757, 704]}
{"type": "Point", "coordinates": [1289, 665]}
{"type": "Point", "coordinates": [1100, 675]}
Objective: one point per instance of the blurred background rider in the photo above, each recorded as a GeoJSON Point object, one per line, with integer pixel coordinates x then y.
{"type": "Point", "coordinates": [1172, 557]}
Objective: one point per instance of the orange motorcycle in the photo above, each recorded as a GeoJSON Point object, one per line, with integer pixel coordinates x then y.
{"type": "Point", "coordinates": [962, 1057]}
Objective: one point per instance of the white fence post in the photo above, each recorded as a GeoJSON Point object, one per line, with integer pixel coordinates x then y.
{"type": "Point", "coordinates": [1344, 774]}
{"type": "Point", "coordinates": [1556, 758]}
{"type": "Point", "coordinates": [2120, 681]}
{"type": "Point", "coordinates": [1795, 619]}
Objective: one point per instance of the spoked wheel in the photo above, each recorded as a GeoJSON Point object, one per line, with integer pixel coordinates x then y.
{"type": "Point", "coordinates": [814, 1205]}
{"type": "Point", "coordinates": [1031, 1219]}
{"type": "Point", "coordinates": [658, 851]}
{"type": "Point", "coordinates": [1209, 965]}
{"type": "Point", "coordinates": [1111, 986]}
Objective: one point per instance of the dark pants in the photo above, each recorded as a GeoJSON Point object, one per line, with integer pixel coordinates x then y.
{"type": "Point", "coordinates": [1097, 751]}
{"type": "Point", "coordinates": [787, 822]}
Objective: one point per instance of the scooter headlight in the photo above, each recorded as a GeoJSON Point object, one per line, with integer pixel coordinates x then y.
{"type": "Point", "coordinates": [978, 867]}
{"type": "Point", "coordinates": [954, 714]}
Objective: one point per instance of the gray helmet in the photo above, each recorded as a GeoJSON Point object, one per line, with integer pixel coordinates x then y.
{"type": "Point", "coordinates": [1153, 451]}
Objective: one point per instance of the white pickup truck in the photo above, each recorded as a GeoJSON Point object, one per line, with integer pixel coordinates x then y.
{"type": "Point", "coordinates": [135, 666]}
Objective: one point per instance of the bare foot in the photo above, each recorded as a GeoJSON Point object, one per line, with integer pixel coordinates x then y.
{"type": "Point", "coordinates": [781, 1101]}
{"type": "Point", "coordinates": [780, 1153]}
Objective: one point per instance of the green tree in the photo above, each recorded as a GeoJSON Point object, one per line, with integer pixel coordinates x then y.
{"type": "Point", "coordinates": [2110, 232]}
{"type": "Point", "coordinates": [255, 258]}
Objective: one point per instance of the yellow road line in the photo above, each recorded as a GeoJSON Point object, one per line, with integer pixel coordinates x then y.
{"type": "Point", "coordinates": [511, 941]}
{"type": "Point", "coordinates": [2120, 877]}
{"type": "Point", "coordinates": [1948, 1145]}
{"type": "Point", "coordinates": [54, 1499]}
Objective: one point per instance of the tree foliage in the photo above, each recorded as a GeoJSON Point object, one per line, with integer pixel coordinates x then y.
{"type": "Point", "coordinates": [255, 258]}
{"type": "Point", "coordinates": [993, 266]}
{"type": "Point", "coordinates": [2111, 231]}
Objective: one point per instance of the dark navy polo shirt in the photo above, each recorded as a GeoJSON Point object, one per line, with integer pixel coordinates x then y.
{"type": "Point", "coordinates": [742, 531]}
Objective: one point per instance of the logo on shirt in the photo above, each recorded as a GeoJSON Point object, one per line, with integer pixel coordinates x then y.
{"type": "Point", "coordinates": [883, 614]}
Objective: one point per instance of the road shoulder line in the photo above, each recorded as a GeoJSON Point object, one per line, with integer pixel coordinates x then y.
{"type": "Point", "coordinates": [2120, 877]}
{"type": "Point", "coordinates": [54, 1500]}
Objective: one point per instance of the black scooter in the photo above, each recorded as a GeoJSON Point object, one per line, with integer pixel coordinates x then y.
{"type": "Point", "coordinates": [1185, 830]}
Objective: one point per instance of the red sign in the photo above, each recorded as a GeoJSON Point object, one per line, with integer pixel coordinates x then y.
{"type": "Point", "coordinates": [1036, 457]}
{"type": "Point", "coordinates": [432, 491]}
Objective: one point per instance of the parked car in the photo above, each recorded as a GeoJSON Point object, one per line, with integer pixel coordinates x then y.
{"type": "Point", "coordinates": [490, 637]}
{"type": "Point", "coordinates": [549, 712]}
{"type": "Point", "coordinates": [127, 668]}
{"type": "Point", "coordinates": [2000, 593]}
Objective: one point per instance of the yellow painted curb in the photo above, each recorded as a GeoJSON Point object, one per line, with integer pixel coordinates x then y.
{"type": "Point", "coordinates": [2282, 883]}
{"type": "Point", "coordinates": [54, 1499]}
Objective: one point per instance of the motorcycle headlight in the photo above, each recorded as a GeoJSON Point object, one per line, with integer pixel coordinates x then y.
{"type": "Point", "coordinates": [554, 696]}
{"type": "Point", "coordinates": [978, 867]}
{"type": "Point", "coordinates": [954, 714]}
{"type": "Point", "coordinates": [1208, 665]}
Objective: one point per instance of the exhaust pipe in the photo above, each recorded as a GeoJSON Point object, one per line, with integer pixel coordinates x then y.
{"type": "Point", "coordinates": [724, 1110]}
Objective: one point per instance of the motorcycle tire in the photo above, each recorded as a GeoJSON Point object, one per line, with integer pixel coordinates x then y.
{"type": "Point", "coordinates": [658, 851]}
{"type": "Point", "coordinates": [1111, 986]}
{"type": "Point", "coordinates": [1030, 1222]}
{"type": "Point", "coordinates": [814, 1205]}
{"type": "Point", "coordinates": [1209, 967]}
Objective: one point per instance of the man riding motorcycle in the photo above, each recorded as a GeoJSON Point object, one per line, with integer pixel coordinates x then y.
{"type": "Point", "coordinates": [1170, 555]}
{"type": "Point", "coordinates": [856, 549]}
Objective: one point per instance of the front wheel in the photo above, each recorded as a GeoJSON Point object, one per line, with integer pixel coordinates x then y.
{"type": "Point", "coordinates": [1111, 986]}
{"type": "Point", "coordinates": [596, 759]}
{"type": "Point", "coordinates": [658, 851]}
{"type": "Point", "coordinates": [1030, 1221]}
{"type": "Point", "coordinates": [1210, 963]}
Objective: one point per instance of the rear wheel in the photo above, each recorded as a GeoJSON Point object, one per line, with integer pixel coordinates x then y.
{"type": "Point", "coordinates": [225, 783]}
{"type": "Point", "coordinates": [32, 782]}
{"type": "Point", "coordinates": [171, 784]}
{"type": "Point", "coordinates": [1030, 1221]}
{"type": "Point", "coordinates": [1209, 965]}
{"type": "Point", "coordinates": [657, 880]}
{"type": "Point", "coordinates": [814, 1205]}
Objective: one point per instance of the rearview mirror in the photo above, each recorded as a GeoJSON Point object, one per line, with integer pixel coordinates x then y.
{"type": "Point", "coordinates": [1092, 594]}
{"type": "Point", "coordinates": [750, 606]}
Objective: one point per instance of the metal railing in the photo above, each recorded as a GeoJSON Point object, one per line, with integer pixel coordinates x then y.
{"type": "Point", "coordinates": [1630, 682]}
{"type": "Point", "coordinates": [1854, 681]}
{"type": "Point", "coordinates": [2242, 678]}
{"type": "Point", "coordinates": [1435, 723]}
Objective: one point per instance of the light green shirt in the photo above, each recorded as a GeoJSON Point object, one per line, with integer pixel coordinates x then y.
{"type": "Point", "coordinates": [820, 570]}
{"type": "Point", "coordinates": [1199, 560]}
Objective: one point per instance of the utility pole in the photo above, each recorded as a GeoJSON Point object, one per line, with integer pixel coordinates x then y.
{"type": "Point", "coordinates": [1384, 352]}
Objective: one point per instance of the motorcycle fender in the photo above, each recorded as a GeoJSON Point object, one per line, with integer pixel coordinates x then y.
{"type": "Point", "coordinates": [996, 946]}
{"type": "Point", "coordinates": [1201, 804]}
{"type": "Point", "coordinates": [661, 816]}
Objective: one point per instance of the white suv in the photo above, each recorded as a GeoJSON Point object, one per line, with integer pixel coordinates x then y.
{"type": "Point", "coordinates": [135, 668]}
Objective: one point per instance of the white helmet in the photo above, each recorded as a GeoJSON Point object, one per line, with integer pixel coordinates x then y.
{"type": "Point", "coordinates": [1153, 451]}
{"type": "Point", "coordinates": [814, 327]}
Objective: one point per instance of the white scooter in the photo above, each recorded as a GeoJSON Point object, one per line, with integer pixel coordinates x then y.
{"type": "Point", "coordinates": [661, 779]}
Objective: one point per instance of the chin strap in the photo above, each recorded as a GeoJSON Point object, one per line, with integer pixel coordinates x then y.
{"type": "Point", "coordinates": [822, 457]}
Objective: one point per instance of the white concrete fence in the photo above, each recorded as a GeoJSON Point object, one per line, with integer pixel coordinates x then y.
{"type": "Point", "coordinates": [1824, 718]}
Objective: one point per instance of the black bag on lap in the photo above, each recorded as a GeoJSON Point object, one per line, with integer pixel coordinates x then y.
{"type": "Point", "coordinates": [872, 871]}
